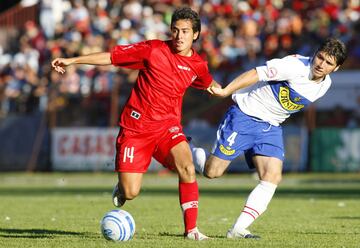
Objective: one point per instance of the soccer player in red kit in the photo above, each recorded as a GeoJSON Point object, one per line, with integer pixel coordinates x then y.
{"type": "Point", "coordinates": [150, 121]}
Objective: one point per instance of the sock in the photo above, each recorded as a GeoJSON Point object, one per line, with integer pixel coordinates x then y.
{"type": "Point", "coordinates": [199, 158]}
{"type": "Point", "coordinates": [189, 196]}
{"type": "Point", "coordinates": [255, 205]}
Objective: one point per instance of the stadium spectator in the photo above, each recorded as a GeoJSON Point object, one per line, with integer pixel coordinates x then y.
{"type": "Point", "coordinates": [264, 98]}
{"type": "Point", "coordinates": [150, 122]}
{"type": "Point", "coordinates": [237, 35]}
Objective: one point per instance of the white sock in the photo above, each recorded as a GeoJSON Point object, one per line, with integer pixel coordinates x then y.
{"type": "Point", "coordinates": [199, 158]}
{"type": "Point", "coordinates": [255, 205]}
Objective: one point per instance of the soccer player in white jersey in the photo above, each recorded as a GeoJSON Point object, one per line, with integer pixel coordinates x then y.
{"type": "Point", "coordinates": [264, 97]}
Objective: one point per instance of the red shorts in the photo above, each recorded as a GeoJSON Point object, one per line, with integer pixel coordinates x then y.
{"type": "Point", "coordinates": [135, 149]}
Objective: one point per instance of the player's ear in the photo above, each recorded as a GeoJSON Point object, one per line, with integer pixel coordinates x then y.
{"type": "Point", "coordinates": [337, 68]}
{"type": "Point", "coordinates": [196, 35]}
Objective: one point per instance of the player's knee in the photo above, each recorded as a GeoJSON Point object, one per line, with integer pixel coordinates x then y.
{"type": "Point", "coordinates": [131, 193]}
{"type": "Point", "coordinates": [209, 175]}
{"type": "Point", "coordinates": [186, 172]}
{"type": "Point", "coordinates": [212, 172]}
{"type": "Point", "coordinates": [272, 177]}
{"type": "Point", "coordinates": [278, 179]}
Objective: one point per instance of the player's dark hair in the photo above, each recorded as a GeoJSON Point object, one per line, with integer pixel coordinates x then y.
{"type": "Point", "coordinates": [186, 13]}
{"type": "Point", "coordinates": [335, 48]}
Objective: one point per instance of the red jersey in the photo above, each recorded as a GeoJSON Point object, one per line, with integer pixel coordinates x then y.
{"type": "Point", "coordinates": [164, 76]}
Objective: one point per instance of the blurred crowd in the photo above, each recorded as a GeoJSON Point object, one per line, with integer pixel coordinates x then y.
{"type": "Point", "coordinates": [236, 36]}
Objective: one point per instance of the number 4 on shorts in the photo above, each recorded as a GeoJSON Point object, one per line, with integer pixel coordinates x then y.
{"type": "Point", "coordinates": [231, 138]}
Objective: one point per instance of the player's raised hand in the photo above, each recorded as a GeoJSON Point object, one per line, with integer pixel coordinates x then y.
{"type": "Point", "coordinates": [59, 64]}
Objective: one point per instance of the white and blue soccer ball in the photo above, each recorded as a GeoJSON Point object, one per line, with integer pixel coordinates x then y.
{"type": "Point", "coordinates": [118, 225]}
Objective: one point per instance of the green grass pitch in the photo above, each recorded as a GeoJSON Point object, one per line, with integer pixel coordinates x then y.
{"type": "Point", "coordinates": [64, 210]}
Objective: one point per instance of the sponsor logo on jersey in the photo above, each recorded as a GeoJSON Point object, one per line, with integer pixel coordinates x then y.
{"type": "Point", "coordinates": [286, 102]}
{"type": "Point", "coordinates": [174, 129]}
{"type": "Point", "coordinates": [181, 67]}
{"type": "Point", "coordinates": [135, 115]}
{"type": "Point", "coordinates": [227, 150]}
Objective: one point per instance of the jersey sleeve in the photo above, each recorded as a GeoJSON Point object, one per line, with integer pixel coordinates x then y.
{"type": "Point", "coordinates": [278, 69]}
{"type": "Point", "coordinates": [133, 56]}
{"type": "Point", "coordinates": [204, 78]}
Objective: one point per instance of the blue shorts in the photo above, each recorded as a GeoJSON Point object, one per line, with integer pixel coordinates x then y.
{"type": "Point", "coordinates": [240, 134]}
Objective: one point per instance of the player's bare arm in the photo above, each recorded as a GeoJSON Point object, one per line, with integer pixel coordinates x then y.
{"type": "Point", "coordinates": [59, 64]}
{"type": "Point", "coordinates": [215, 85]}
{"type": "Point", "coordinates": [244, 80]}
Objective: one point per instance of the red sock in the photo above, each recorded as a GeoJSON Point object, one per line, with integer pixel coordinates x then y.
{"type": "Point", "coordinates": [189, 195]}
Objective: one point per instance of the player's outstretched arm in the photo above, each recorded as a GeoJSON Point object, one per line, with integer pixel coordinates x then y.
{"type": "Point", "coordinates": [59, 64]}
{"type": "Point", "coordinates": [213, 84]}
{"type": "Point", "coordinates": [244, 80]}
{"type": "Point", "coordinates": [215, 89]}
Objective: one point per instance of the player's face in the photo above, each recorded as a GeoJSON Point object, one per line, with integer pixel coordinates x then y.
{"type": "Point", "coordinates": [322, 65]}
{"type": "Point", "coordinates": [183, 37]}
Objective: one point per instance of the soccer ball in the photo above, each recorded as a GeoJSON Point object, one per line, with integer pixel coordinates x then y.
{"type": "Point", "coordinates": [117, 225]}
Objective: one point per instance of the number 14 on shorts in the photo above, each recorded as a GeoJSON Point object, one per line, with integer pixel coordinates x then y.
{"type": "Point", "coordinates": [128, 154]}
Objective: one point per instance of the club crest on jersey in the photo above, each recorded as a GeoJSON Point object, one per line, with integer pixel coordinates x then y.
{"type": "Point", "coordinates": [286, 102]}
{"type": "Point", "coordinates": [271, 72]}
{"type": "Point", "coordinates": [135, 115]}
{"type": "Point", "coordinates": [227, 150]}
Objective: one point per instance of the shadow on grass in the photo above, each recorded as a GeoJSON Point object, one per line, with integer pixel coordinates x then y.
{"type": "Point", "coordinates": [36, 233]}
{"type": "Point", "coordinates": [167, 234]}
{"type": "Point", "coordinates": [328, 192]}
{"type": "Point", "coordinates": [347, 217]}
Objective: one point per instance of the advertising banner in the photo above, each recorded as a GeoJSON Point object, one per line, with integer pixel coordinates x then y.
{"type": "Point", "coordinates": [335, 149]}
{"type": "Point", "coordinates": [76, 149]}
{"type": "Point", "coordinates": [86, 149]}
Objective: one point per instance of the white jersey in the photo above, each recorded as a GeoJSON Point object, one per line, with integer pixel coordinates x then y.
{"type": "Point", "coordinates": [284, 88]}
